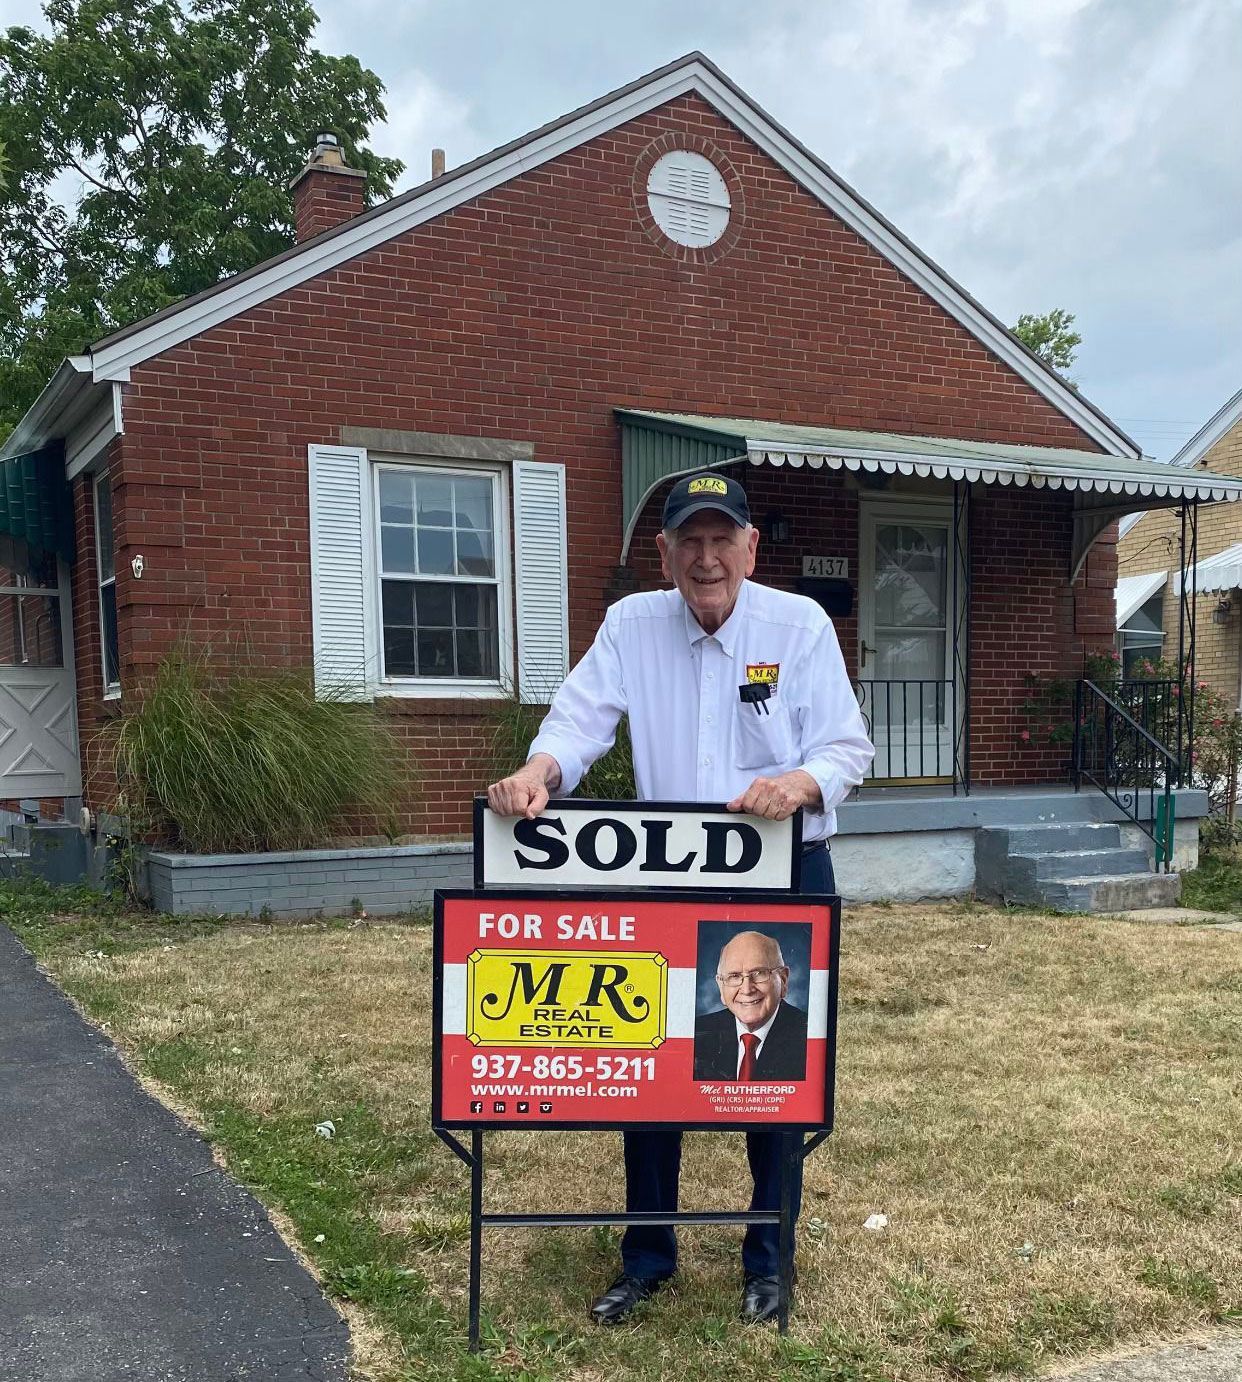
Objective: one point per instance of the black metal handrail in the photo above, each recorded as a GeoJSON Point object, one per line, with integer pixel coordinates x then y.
{"type": "Point", "coordinates": [1156, 705]}
{"type": "Point", "coordinates": [918, 717]}
{"type": "Point", "coordinates": [1115, 753]}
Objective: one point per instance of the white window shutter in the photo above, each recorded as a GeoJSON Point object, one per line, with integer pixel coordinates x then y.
{"type": "Point", "coordinates": [342, 568]}
{"type": "Point", "coordinates": [542, 558]}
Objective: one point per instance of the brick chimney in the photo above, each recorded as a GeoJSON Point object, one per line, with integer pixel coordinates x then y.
{"type": "Point", "coordinates": [326, 192]}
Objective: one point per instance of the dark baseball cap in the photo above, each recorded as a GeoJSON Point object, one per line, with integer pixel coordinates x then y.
{"type": "Point", "coordinates": [709, 490]}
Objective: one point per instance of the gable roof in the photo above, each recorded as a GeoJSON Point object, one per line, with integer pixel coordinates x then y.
{"type": "Point", "coordinates": [1210, 433]}
{"type": "Point", "coordinates": [113, 357]}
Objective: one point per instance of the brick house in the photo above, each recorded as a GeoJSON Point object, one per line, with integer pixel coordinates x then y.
{"type": "Point", "coordinates": [1150, 564]}
{"type": "Point", "coordinates": [424, 448]}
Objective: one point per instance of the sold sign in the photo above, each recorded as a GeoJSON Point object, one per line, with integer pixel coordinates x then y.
{"type": "Point", "coordinates": [592, 844]}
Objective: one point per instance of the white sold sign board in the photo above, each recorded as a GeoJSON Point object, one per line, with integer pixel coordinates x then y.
{"type": "Point", "coordinates": [635, 844]}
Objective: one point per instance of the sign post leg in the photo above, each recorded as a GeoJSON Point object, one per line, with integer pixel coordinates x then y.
{"type": "Point", "coordinates": [476, 1233]}
{"type": "Point", "coordinates": [790, 1153]}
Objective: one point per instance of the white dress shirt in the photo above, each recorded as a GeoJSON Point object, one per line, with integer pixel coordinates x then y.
{"type": "Point", "coordinates": [694, 739]}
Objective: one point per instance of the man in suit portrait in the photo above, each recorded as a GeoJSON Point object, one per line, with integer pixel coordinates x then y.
{"type": "Point", "coordinates": [757, 1035]}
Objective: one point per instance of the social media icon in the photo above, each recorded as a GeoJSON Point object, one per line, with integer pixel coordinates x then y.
{"type": "Point", "coordinates": [476, 1105]}
{"type": "Point", "coordinates": [545, 1108]}
{"type": "Point", "coordinates": [498, 1106]}
{"type": "Point", "coordinates": [523, 1106]}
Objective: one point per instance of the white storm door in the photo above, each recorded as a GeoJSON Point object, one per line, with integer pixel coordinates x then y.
{"type": "Point", "coordinates": [38, 698]}
{"type": "Point", "coordinates": [905, 623]}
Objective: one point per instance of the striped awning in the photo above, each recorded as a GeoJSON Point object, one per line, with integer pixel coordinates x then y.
{"type": "Point", "coordinates": [1214, 574]}
{"type": "Point", "coordinates": [658, 446]}
{"type": "Point", "coordinates": [36, 510]}
{"type": "Point", "coordinates": [945, 458]}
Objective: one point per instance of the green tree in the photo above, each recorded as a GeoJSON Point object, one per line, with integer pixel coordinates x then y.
{"type": "Point", "coordinates": [179, 126]}
{"type": "Point", "coordinates": [1051, 336]}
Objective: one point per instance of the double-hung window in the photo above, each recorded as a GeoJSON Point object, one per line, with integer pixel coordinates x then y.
{"type": "Point", "coordinates": [416, 587]}
{"type": "Point", "coordinates": [441, 556]}
{"type": "Point", "coordinates": [105, 561]}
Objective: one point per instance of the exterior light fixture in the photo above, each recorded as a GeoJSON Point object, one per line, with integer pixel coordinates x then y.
{"type": "Point", "coordinates": [1220, 615]}
{"type": "Point", "coordinates": [778, 527]}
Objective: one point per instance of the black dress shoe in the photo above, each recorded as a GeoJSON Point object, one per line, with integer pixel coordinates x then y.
{"type": "Point", "coordinates": [618, 1301]}
{"type": "Point", "coordinates": [761, 1299]}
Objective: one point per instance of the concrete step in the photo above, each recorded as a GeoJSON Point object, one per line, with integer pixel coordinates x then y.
{"type": "Point", "coordinates": [14, 863]}
{"type": "Point", "coordinates": [1083, 863]}
{"type": "Point", "coordinates": [1046, 839]}
{"type": "Point", "coordinates": [1113, 892]}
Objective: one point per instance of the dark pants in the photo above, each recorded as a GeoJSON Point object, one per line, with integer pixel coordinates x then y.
{"type": "Point", "coordinates": [653, 1166]}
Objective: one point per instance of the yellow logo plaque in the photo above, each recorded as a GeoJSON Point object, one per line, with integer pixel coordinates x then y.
{"type": "Point", "coordinates": [602, 998]}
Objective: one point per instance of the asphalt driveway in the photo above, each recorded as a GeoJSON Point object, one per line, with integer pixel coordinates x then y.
{"type": "Point", "coordinates": [126, 1253]}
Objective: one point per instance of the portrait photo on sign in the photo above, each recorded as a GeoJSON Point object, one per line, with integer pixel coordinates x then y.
{"type": "Point", "coordinates": [752, 986]}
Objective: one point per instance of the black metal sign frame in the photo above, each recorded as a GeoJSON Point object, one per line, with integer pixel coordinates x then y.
{"type": "Point", "coordinates": [796, 1144]}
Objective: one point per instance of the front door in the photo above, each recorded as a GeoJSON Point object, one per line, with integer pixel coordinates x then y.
{"type": "Point", "coordinates": [38, 702]}
{"type": "Point", "coordinates": [905, 622]}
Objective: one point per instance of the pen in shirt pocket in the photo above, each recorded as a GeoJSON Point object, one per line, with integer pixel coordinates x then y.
{"type": "Point", "coordinates": [756, 693]}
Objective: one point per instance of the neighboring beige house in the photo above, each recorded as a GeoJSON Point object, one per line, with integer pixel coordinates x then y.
{"type": "Point", "coordinates": [1149, 578]}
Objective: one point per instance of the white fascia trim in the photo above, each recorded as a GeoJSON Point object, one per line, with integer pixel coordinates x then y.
{"type": "Point", "coordinates": [72, 378]}
{"type": "Point", "coordinates": [1210, 433]}
{"type": "Point", "coordinates": [88, 440]}
{"type": "Point", "coordinates": [992, 472]}
{"type": "Point", "coordinates": [919, 270]}
{"type": "Point", "coordinates": [436, 201]}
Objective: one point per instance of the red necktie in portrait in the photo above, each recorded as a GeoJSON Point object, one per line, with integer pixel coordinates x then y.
{"type": "Point", "coordinates": [751, 1043]}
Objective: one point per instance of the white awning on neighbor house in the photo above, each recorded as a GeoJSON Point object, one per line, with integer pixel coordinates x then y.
{"type": "Point", "coordinates": [1133, 592]}
{"type": "Point", "coordinates": [1214, 574]}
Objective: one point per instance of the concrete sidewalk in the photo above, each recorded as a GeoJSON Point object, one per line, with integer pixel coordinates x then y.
{"type": "Point", "coordinates": [1214, 1359]}
{"type": "Point", "coordinates": [126, 1253]}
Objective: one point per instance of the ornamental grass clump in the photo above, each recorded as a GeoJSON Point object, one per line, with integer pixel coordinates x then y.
{"type": "Point", "coordinates": [513, 724]}
{"type": "Point", "coordinates": [243, 758]}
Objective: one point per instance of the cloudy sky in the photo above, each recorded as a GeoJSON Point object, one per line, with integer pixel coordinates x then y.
{"type": "Point", "coordinates": [1084, 154]}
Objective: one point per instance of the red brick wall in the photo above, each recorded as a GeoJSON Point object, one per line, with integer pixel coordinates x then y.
{"type": "Point", "coordinates": [1027, 619]}
{"type": "Point", "coordinates": [531, 313]}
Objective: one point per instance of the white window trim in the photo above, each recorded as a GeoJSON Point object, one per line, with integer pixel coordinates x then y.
{"type": "Point", "coordinates": [439, 688]}
{"type": "Point", "coordinates": [111, 689]}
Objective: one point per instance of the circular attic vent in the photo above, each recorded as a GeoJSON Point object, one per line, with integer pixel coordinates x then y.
{"type": "Point", "coordinates": [688, 198]}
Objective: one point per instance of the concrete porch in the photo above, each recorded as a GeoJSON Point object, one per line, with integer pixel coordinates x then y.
{"type": "Point", "coordinates": [906, 843]}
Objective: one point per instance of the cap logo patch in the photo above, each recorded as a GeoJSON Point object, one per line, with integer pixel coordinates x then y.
{"type": "Point", "coordinates": [767, 672]}
{"type": "Point", "coordinates": [707, 484]}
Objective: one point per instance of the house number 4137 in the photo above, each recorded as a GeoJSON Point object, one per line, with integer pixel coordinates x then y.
{"type": "Point", "coordinates": [839, 567]}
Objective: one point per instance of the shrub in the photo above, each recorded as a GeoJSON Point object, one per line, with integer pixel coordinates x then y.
{"type": "Point", "coordinates": [244, 758]}
{"type": "Point", "coordinates": [513, 725]}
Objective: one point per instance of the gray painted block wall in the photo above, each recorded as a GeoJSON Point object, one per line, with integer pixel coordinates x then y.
{"type": "Point", "coordinates": [307, 883]}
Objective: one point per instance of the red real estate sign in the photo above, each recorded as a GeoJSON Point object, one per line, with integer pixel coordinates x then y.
{"type": "Point", "coordinates": [604, 1010]}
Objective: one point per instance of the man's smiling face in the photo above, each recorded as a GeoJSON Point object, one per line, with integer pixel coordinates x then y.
{"type": "Point", "coordinates": [752, 997]}
{"type": "Point", "coordinates": [707, 558]}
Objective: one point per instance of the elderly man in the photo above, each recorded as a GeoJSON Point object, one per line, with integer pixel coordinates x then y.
{"type": "Point", "coordinates": [757, 1035]}
{"type": "Point", "coordinates": [683, 664]}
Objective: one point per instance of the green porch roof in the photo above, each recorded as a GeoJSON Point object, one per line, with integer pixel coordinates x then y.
{"type": "Point", "coordinates": [657, 446]}
{"type": "Point", "coordinates": [35, 504]}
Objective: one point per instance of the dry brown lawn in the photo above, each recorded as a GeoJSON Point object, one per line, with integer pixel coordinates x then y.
{"type": "Point", "coordinates": [1046, 1108]}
